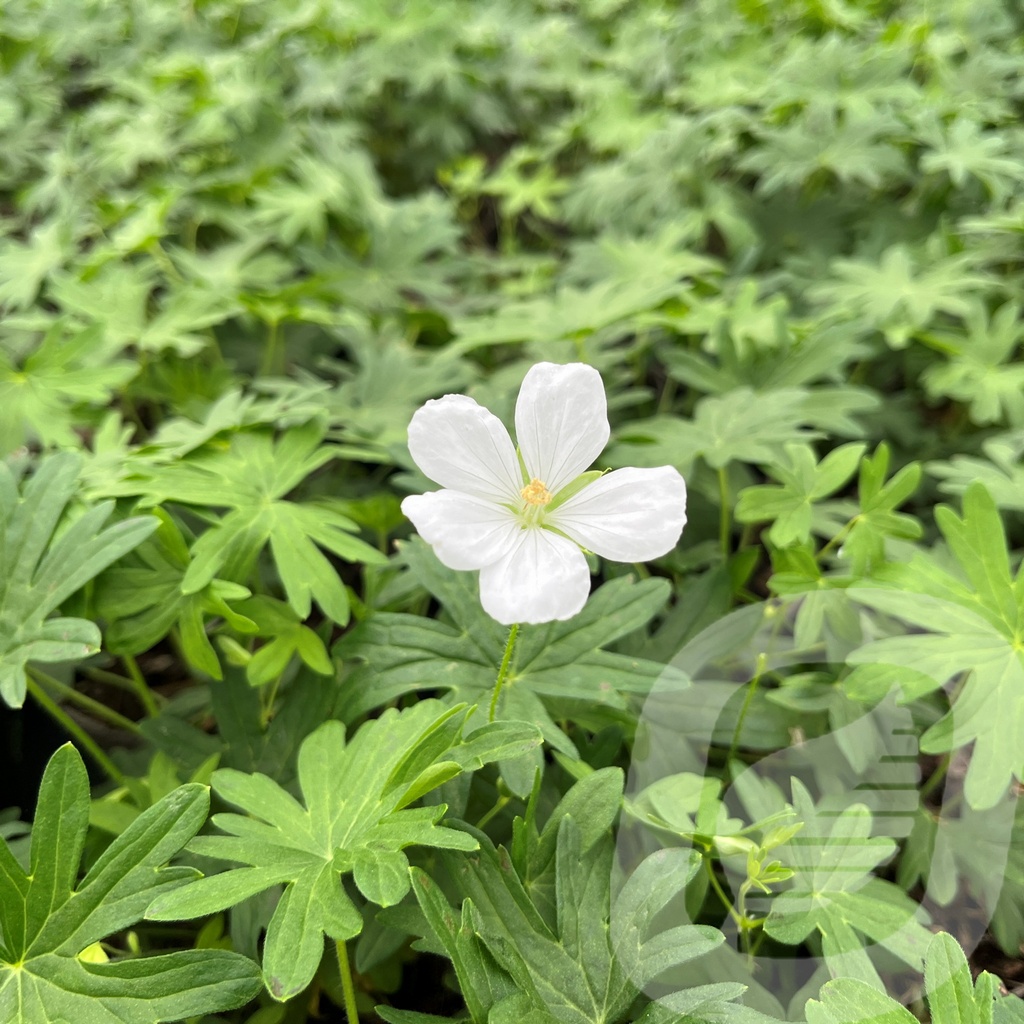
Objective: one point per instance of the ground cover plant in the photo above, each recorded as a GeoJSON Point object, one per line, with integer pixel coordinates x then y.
{"type": "Point", "coordinates": [701, 698]}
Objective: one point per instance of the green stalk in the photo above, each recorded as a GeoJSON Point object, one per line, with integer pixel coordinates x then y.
{"type": "Point", "coordinates": [141, 689]}
{"type": "Point", "coordinates": [723, 513]}
{"type": "Point", "coordinates": [268, 365]}
{"type": "Point", "coordinates": [499, 806]}
{"type": "Point", "coordinates": [101, 675]}
{"type": "Point", "coordinates": [936, 777]}
{"type": "Point", "coordinates": [726, 902]}
{"type": "Point", "coordinates": [751, 690]}
{"type": "Point", "coordinates": [349, 990]}
{"type": "Point", "coordinates": [503, 670]}
{"type": "Point", "coordinates": [70, 726]}
{"type": "Point", "coordinates": [94, 707]}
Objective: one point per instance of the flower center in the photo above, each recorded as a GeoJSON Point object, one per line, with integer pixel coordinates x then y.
{"type": "Point", "coordinates": [535, 493]}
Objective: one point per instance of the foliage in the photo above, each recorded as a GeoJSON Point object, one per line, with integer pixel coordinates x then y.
{"type": "Point", "coordinates": [52, 965]}
{"type": "Point", "coordinates": [240, 244]}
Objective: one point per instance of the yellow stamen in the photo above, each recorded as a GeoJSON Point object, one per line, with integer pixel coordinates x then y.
{"type": "Point", "coordinates": [536, 493]}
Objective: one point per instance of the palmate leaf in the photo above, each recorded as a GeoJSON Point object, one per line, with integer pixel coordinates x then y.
{"type": "Point", "coordinates": [286, 636]}
{"type": "Point", "coordinates": [792, 360]}
{"type": "Point", "coordinates": [41, 390]}
{"type": "Point", "coordinates": [47, 923]}
{"type": "Point", "coordinates": [356, 819]}
{"type": "Point", "coordinates": [952, 996]}
{"type": "Point", "coordinates": [143, 600]}
{"type": "Point", "coordinates": [403, 653]}
{"type": "Point", "coordinates": [383, 381]}
{"type": "Point", "coordinates": [805, 481]}
{"type": "Point", "coordinates": [251, 477]}
{"type": "Point", "coordinates": [835, 894]}
{"type": "Point", "coordinates": [1001, 471]}
{"type": "Point", "coordinates": [980, 851]}
{"type": "Point", "coordinates": [741, 425]}
{"type": "Point", "coordinates": [901, 294]}
{"type": "Point", "coordinates": [39, 571]}
{"type": "Point", "coordinates": [540, 935]}
{"type": "Point", "coordinates": [982, 368]}
{"type": "Point", "coordinates": [974, 628]}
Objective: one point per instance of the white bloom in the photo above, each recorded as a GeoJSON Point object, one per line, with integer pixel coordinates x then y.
{"type": "Point", "coordinates": [523, 526]}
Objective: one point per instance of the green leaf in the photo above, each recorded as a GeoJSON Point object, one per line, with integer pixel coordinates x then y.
{"type": "Point", "coordinates": [983, 369]}
{"type": "Point", "coordinates": [900, 293]}
{"type": "Point", "coordinates": [482, 982]}
{"type": "Point", "coordinates": [40, 569]}
{"type": "Point", "coordinates": [286, 637]}
{"type": "Point", "coordinates": [252, 477]}
{"type": "Point", "coordinates": [741, 426]}
{"type": "Point", "coordinates": [46, 391]}
{"type": "Point", "coordinates": [354, 820]}
{"type": "Point", "coordinates": [143, 600]}
{"type": "Point", "coordinates": [403, 653]}
{"type": "Point", "coordinates": [588, 963]}
{"type": "Point", "coordinates": [804, 482]}
{"type": "Point", "coordinates": [47, 922]}
{"type": "Point", "coordinates": [974, 628]}
{"type": "Point", "coordinates": [952, 997]}
{"type": "Point", "coordinates": [834, 893]}
{"type": "Point", "coordinates": [876, 519]}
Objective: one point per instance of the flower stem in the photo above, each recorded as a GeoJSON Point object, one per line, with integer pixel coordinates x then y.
{"type": "Point", "coordinates": [751, 690]}
{"type": "Point", "coordinates": [936, 778]}
{"type": "Point", "coordinates": [494, 811]}
{"type": "Point", "coordinates": [42, 698]}
{"type": "Point", "coordinates": [141, 687]}
{"type": "Point", "coordinates": [723, 512]}
{"type": "Point", "coordinates": [503, 670]}
{"type": "Point", "coordinates": [269, 363]}
{"type": "Point", "coordinates": [345, 970]}
{"type": "Point", "coordinates": [94, 707]}
{"type": "Point", "coordinates": [720, 892]}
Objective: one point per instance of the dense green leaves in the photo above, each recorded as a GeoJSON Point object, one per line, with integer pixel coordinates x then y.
{"type": "Point", "coordinates": [833, 892]}
{"type": "Point", "coordinates": [356, 819]}
{"type": "Point", "coordinates": [48, 922]}
{"type": "Point", "coordinates": [41, 568]}
{"type": "Point", "coordinates": [558, 661]}
{"type": "Point", "coordinates": [240, 244]}
{"type": "Point", "coordinates": [953, 998]}
{"type": "Point", "coordinates": [252, 477]}
{"type": "Point", "coordinates": [563, 948]}
{"type": "Point", "coordinates": [969, 623]}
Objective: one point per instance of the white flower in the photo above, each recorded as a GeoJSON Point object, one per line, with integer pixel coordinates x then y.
{"type": "Point", "coordinates": [519, 519]}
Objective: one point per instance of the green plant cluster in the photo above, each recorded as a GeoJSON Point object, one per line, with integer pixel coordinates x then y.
{"type": "Point", "coordinates": [241, 243]}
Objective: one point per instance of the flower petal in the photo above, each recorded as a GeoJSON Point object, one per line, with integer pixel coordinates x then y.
{"type": "Point", "coordinates": [465, 532]}
{"type": "Point", "coordinates": [561, 421]}
{"type": "Point", "coordinates": [631, 515]}
{"type": "Point", "coordinates": [459, 444]}
{"type": "Point", "coordinates": [543, 577]}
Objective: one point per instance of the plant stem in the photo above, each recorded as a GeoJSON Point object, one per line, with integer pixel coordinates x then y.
{"type": "Point", "coordinates": [723, 512]}
{"type": "Point", "coordinates": [101, 675]}
{"type": "Point", "coordinates": [726, 902]}
{"type": "Point", "coordinates": [936, 777]}
{"type": "Point", "coordinates": [267, 711]}
{"type": "Point", "coordinates": [42, 698]}
{"type": "Point", "coordinates": [139, 686]}
{"type": "Point", "coordinates": [346, 982]}
{"type": "Point", "coordinates": [837, 539]}
{"type": "Point", "coordinates": [268, 365]}
{"type": "Point", "coordinates": [498, 807]}
{"type": "Point", "coordinates": [94, 707]}
{"type": "Point", "coordinates": [751, 690]}
{"type": "Point", "coordinates": [503, 670]}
